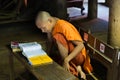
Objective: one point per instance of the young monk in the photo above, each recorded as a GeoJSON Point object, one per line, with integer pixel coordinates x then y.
{"type": "Point", "coordinates": [69, 42]}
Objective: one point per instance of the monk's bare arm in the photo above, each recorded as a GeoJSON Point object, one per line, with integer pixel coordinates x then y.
{"type": "Point", "coordinates": [63, 51]}
{"type": "Point", "coordinates": [79, 46]}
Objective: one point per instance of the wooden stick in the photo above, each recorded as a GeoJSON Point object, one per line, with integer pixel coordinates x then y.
{"type": "Point", "coordinates": [95, 78]}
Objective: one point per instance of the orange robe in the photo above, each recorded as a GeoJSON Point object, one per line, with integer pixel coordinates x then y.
{"type": "Point", "coordinates": [64, 32]}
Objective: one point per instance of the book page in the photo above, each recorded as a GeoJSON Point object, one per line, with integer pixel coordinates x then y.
{"type": "Point", "coordinates": [31, 53]}
{"type": "Point", "coordinates": [30, 46]}
{"type": "Point", "coordinates": [34, 53]}
{"type": "Point", "coordinates": [31, 49]}
{"type": "Point", "coordinates": [39, 60]}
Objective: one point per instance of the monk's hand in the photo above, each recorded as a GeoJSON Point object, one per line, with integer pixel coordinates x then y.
{"type": "Point", "coordinates": [66, 65]}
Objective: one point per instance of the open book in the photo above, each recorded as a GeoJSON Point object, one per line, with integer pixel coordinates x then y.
{"type": "Point", "coordinates": [34, 53]}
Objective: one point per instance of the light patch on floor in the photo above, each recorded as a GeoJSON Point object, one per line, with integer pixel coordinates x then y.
{"type": "Point", "coordinates": [73, 11]}
{"type": "Point", "coordinates": [100, 1]}
{"type": "Point", "coordinates": [103, 11]}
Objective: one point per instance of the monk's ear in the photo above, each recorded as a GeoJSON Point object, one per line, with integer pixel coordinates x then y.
{"type": "Point", "coordinates": [50, 20]}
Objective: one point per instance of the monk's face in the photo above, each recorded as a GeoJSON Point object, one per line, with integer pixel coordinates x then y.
{"type": "Point", "coordinates": [44, 26]}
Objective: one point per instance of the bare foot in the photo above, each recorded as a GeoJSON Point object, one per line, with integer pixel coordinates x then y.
{"type": "Point", "coordinates": [83, 75]}
{"type": "Point", "coordinates": [79, 69]}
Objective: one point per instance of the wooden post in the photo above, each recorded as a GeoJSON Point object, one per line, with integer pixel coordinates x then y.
{"type": "Point", "coordinates": [92, 9]}
{"type": "Point", "coordinates": [115, 65]}
{"type": "Point", "coordinates": [114, 24]}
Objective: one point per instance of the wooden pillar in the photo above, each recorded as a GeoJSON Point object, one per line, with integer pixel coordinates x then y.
{"type": "Point", "coordinates": [115, 65]}
{"type": "Point", "coordinates": [114, 24]}
{"type": "Point", "coordinates": [92, 9]}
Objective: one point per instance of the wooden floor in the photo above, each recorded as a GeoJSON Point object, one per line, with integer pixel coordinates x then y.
{"type": "Point", "coordinates": [97, 27]}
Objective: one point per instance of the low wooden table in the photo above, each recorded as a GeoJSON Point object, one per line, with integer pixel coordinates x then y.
{"type": "Point", "coordinates": [51, 71]}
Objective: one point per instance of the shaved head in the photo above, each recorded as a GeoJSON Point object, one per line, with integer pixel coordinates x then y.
{"type": "Point", "coordinates": [45, 21]}
{"type": "Point", "coordinates": [43, 16]}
